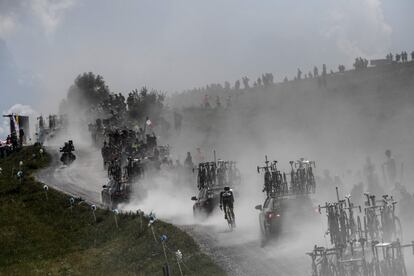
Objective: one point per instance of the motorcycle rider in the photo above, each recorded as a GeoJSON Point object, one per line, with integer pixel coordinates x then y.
{"type": "Point", "coordinates": [188, 163]}
{"type": "Point", "coordinates": [227, 200]}
{"type": "Point", "coordinates": [67, 155]}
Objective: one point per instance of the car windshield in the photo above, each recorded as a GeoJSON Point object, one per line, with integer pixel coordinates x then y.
{"type": "Point", "coordinates": [277, 204]}
{"type": "Point", "coordinates": [202, 194]}
{"type": "Point", "coordinates": [268, 202]}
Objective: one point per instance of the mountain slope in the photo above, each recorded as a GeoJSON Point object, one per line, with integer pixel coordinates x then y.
{"type": "Point", "coordinates": [40, 234]}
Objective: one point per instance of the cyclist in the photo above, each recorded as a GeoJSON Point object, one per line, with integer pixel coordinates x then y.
{"type": "Point", "coordinates": [227, 200]}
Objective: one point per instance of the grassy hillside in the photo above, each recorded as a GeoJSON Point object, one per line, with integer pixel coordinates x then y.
{"type": "Point", "coordinates": [42, 235]}
{"type": "Point", "coordinates": [352, 115]}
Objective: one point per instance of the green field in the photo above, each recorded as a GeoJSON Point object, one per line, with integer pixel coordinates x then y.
{"type": "Point", "coordinates": [41, 235]}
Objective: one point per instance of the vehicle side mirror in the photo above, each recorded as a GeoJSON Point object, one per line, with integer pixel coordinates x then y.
{"type": "Point", "coordinates": [194, 198]}
{"type": "Point", "coordinates": [104, 186]}
{"type": "Point", "coordinates": [258, 207]}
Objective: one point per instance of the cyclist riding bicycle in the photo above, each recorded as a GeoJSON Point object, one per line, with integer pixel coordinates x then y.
{"type": "Point", "coordinates": [226, 201]}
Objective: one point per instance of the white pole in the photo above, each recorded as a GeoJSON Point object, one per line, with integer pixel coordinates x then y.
{"type": "Point", "coordinates": [116, 221]}
{"type": "Point", "coordinates": [179, 267]}
{"type": "Point", "coordinates": [46, 188]}
{"type": "Point", "coordinates": [71, 202]}
{"type": "Point", "coordinates": [93, 207]}
{"type": "Point", "coordinates": [165, 253]}
{"type": "Point", "coordinates": [116, 212]}
{"type": "Point", "coordinates": [20, 176]}
{"type": "Point", "coordinates": [153, 234]}
{"type": "Point", "coordinates": [179, 257]}
{"type": "Point", "coordinates": [140, 219]}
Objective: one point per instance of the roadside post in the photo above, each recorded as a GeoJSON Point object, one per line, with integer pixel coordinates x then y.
{"type": "Point", "coordinates": [152, 219]}
{"type": "Point", "coordinates": [140, 218]}
{"type": "Point", "coordinates": [166, 267]}
{"type": "Point", "coordinates": [179, 258]}
{"type": "Point", "coordinates": [93, 207]}
{"type": "Point", "coordinates": [116, 212]}
{"type": "Point", "coordinates": [46, 188]}
{"type": "Point", "coordinates": [20, 176]}
{"type": "Point", "coordinates": [71, 202]}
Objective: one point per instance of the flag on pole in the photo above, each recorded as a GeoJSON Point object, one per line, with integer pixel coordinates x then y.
{"type": "Point", "coordinates": [15, 124]}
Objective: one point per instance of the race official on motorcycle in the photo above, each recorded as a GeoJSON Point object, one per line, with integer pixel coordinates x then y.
{"type": "Point", "coordinates": [68, 147]}
{"type": "Point", "coordinates": [67, 156]}
{"type": "Point", "coordinates": [226, 200]}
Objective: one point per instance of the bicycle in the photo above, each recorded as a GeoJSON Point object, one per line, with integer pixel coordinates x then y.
{"type": "Point", "coordinates": [230, 217]}
{"type": "Point", "coordinates": [354, 227]}
{"type": "Point", "coordinates": [321, 264]}
{"type": "Point", "coordinates": [391, 225]}
{"type": "Point", "coordinates": [371, 223]}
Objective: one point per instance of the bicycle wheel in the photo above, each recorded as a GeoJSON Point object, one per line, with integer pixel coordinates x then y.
{"type": "Point", "coordinates": [229, 218]}
{"type": "Point", "coordinates": [352, 227]}
{"type": "Point", "coordinates": [398, 228]}
{"type": "Point", "coordinates": [344, 230]}
{"type": "Point", "coordinates": [366, 228]}
{"type": "Point", "coordinates": [324, 269]}
{"type": "Point", "coordinates": [403, 271]}
{"type": "Point", "coordinates": [333, 270]}
{"type": "Point", "coordinates": [233, 219]}
{"type": "Point", "coordinates": [398, 268]}
{"type": "Point", "coordinates": [359, 228]}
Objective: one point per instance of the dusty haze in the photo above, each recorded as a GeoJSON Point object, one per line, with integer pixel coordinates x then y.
{"type": "Point", "coordinates": [45, 44]}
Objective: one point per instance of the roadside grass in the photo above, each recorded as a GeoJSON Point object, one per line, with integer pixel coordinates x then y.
{"type": "Point", "coordinates": [40, 234]}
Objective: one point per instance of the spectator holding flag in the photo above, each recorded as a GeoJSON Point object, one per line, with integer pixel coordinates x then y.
{"type": "Point", "coordinates": [148, 126]}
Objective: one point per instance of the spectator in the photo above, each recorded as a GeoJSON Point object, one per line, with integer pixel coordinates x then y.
{"type": "Point", "coordinates": [206, 102]}
{"type": "Point", "coordinates": [218, 103]}
{"type": "Point", "coordinates": [315, 72]}
{"type": "Point", "coordinates": [21, 137]}
{"type": "Point", "coordinates": [237, 85]}
{"type": "Point", "coordinates": [299, 74]}
{"type": "Point", "coordinates": [246, 82]}
{"type": "Point", "coordinates": [259, 82]}
{"type": "Point", "coordinates": [397, 57]}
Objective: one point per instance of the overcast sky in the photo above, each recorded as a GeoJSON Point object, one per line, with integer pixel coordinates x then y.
{"type": "Point", "coordinates": [174, 45]}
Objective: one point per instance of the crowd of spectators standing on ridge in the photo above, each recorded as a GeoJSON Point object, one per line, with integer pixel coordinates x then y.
{"type": "Point", "coordinates": [400, 57]}
{"type": "Point", "coordinates": [267, 79]}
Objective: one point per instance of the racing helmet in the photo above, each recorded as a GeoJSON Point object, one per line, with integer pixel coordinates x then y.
{"type": "Point", "coordinates": [227, 188]}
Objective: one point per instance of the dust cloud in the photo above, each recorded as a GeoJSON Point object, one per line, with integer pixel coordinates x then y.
{"type": "Point", "coordinates": [355, 116]}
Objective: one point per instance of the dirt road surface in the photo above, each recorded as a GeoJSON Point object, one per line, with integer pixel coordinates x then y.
{"type": "Point", "coordinates": [239, 252]}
